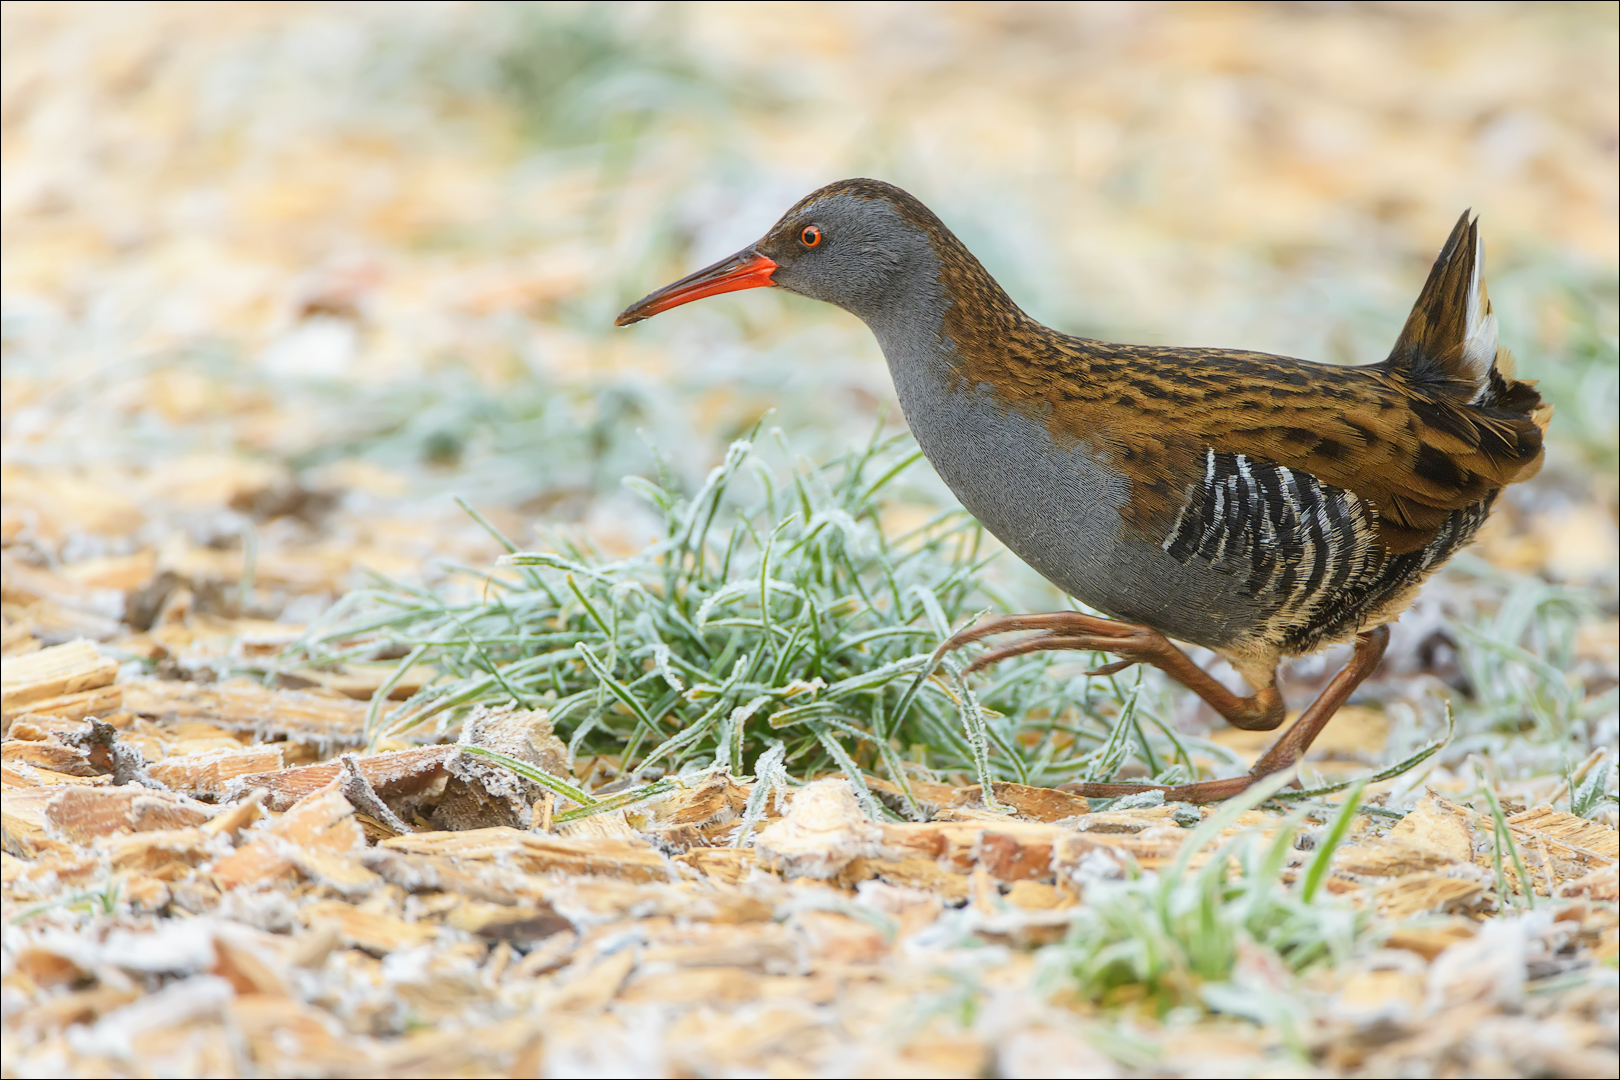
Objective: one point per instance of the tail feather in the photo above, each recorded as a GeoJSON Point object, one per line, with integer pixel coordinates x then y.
{"type": "Point", "coordinates": [1449, 342]}
{"type": "Point", "coordinates": [1477, 427]}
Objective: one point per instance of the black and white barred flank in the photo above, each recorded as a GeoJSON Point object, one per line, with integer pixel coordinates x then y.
{"type": "Point", "coordinates": [1307, 550]}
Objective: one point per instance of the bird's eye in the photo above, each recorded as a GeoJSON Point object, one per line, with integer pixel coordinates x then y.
{"type": "Point", "coordinates": [810, 237]}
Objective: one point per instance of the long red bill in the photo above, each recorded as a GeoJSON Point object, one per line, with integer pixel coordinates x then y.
{"type": "Point", "coordinates": [747, 269]}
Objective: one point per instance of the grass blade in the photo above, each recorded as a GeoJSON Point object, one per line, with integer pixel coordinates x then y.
{"type": "Point", "coordinates": [1317, 872]}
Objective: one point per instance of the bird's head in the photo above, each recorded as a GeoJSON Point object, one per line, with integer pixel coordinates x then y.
{"type": "Point", "coordinates": [859, 244]}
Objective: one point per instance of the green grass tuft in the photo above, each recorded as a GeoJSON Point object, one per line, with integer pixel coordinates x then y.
{"type": "Point", "coordinates": [1178, 939]}
{"type": "Point", "coordinates": [774, 616]}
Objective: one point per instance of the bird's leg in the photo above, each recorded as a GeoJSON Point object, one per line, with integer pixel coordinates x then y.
{"type": "Point", "coordinates": [1262, 711]}
{"type": "Point", "coordinates": [1298, 738]}
{"type": "Point", "coordinates": [1286, 750]}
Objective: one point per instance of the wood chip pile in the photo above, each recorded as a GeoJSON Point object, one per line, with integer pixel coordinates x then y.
{"type": "Point", "coordinates": [199, 880]}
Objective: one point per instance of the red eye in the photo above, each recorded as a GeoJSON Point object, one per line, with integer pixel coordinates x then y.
{"type": "Point", "coordinates": [810, 237]}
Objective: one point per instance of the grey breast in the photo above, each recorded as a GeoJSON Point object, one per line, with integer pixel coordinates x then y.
{"type": "Point", "coordinates": [1056, 508]}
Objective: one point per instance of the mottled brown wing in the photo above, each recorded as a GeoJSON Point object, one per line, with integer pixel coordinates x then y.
{"type": "Point", "coordinates": [1415, 437]}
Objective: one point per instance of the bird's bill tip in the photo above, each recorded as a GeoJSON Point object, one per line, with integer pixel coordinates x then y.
{"type": "Point", "coordinates": [747, 269]}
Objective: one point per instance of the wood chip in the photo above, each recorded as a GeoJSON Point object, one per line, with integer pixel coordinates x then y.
{"type": "Point", "coordinates": [17, 775]}
{"type": "Point", "coordinates": [16, 638]}
{"type": "Point", "coordinates": [700, 816]}
{"type": "Point", "coordinates": [240, 705]}
{"type": "Point", "coordinates": [336, 869]}
{"type": "Point", "coordinates": [477, 880]}
{"type": "Point", "coordinates": [536, 853]}
{"type": "Point", "coordinates": [1019, 848]}
{"type": "Point", "coordinates": [78, 706]}
{"type": "Point", "coordinates": [1577, 835]}
{"type": "Point", "coordinates": [914, 872]}
{"type": "Point", "coordinates": [288, 1038]}
{"type": "Point", "coordinates": [1379, 996]}
{"type": "Point", "coordinates": [1029, 803]}
{"type": "Point", "coordinates": [1149, 848]}
{"type": "Point", "coordinates": [251, 960]}
{"type": "Point", "coordinates": [305, 838]}
{"type": "Point", "coordinates": [1603, 884]}
{"type": "Point", "coordinates": [835, 939]}
{"type": "Point", "coordinates": [730, 985]}
{"type": "Point", "coordinates": [1035, 896]}
{"type": "Point", "coordinates": [165, 854]}
{"type": "Point", "coordinates": [1035, 803]}
{"type": "Point", "coordinates": [507, 922]}
{"type": "Point", "coordinates": [730, 865]}
{"type": "Point", "coordinates": [1429, 941]}
{"type": "Point", "coordinates": [48, 754]}
{"type": "Point", "coordinates": [593, 986]}
{"type": "Point", "coordinates": [1127, 821]}
{"type": "Point", "coordinates": [1387, 856]}
{"type": "Point", "coordinates": [81, 814]}
{"type": "Point", "coordinates": [822, 831]}
{"type": "Point", "coordinates": [396, 774]}
{"type": "Point", "coordinates": [717, 801]}
{"type": "Point", "coordinates": [1438, 825]}
{"type": "Point", "coordinates": [1417, 894]}
{"type": "Point", "coordinates": [22, 820]}
{"type": "Point", "coordinates": [37, 727]}
{"type": "Point", "coordinates": [52, 673]}
{"type": "Point", "coordinates": [210, 774]}
{"type": "Point", "coordinates": [79, 1007]}
{"type": "Point", "coordinates": [362, 681]}
{"type": "Point", "coordinates": [1010, 856]}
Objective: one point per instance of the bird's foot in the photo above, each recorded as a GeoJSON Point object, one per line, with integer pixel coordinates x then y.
{"type": "Point", "coordinates": [1065, 630]}
{"type": "Point", "coordinates": [1286, 752]}
{"type": "Point", "coordinates": [1132, 644]}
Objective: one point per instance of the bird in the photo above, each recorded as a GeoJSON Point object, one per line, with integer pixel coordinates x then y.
{"type": "Point", "coordinates": [1260, 506]}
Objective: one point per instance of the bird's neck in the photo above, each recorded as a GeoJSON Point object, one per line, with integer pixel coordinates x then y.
{"type": "Point", "coordinates": [949, 325]}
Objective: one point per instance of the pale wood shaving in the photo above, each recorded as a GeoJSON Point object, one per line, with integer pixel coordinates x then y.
{"type": "Point", "coordinates": [75, 706]}
{"type": "Point", "coordinates": [239, 705]}
{"type": "Point", "coordinates": [209, 774]}
{"type": "Point", "coordinates": [53, 673]}
{"type": "Point", "coordinates": [635, 860]}
{"type": "Point", "coordinates": [393, 774]}
{"type": "Point", "coordinates": [1421, 893]}
{"type": "Point", "coordinates": [1561, 829]}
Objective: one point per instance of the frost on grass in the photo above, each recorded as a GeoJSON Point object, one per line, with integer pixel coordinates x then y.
{"type": "Point", "coordinates": [774, 620]}
{"type": "Point", "coordinates": [1180, 937]}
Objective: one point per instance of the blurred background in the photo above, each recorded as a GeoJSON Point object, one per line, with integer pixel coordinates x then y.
{"type": "Point", "coordinates": [280, 279]}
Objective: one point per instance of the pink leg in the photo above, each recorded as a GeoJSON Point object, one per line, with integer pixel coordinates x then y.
{"type": "Point", "coordinates": [1286, 750]}
{"type": "Point", "coordinates": [1263, 711]}
{"type": "Point", "coordinates": [1144, 645]}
